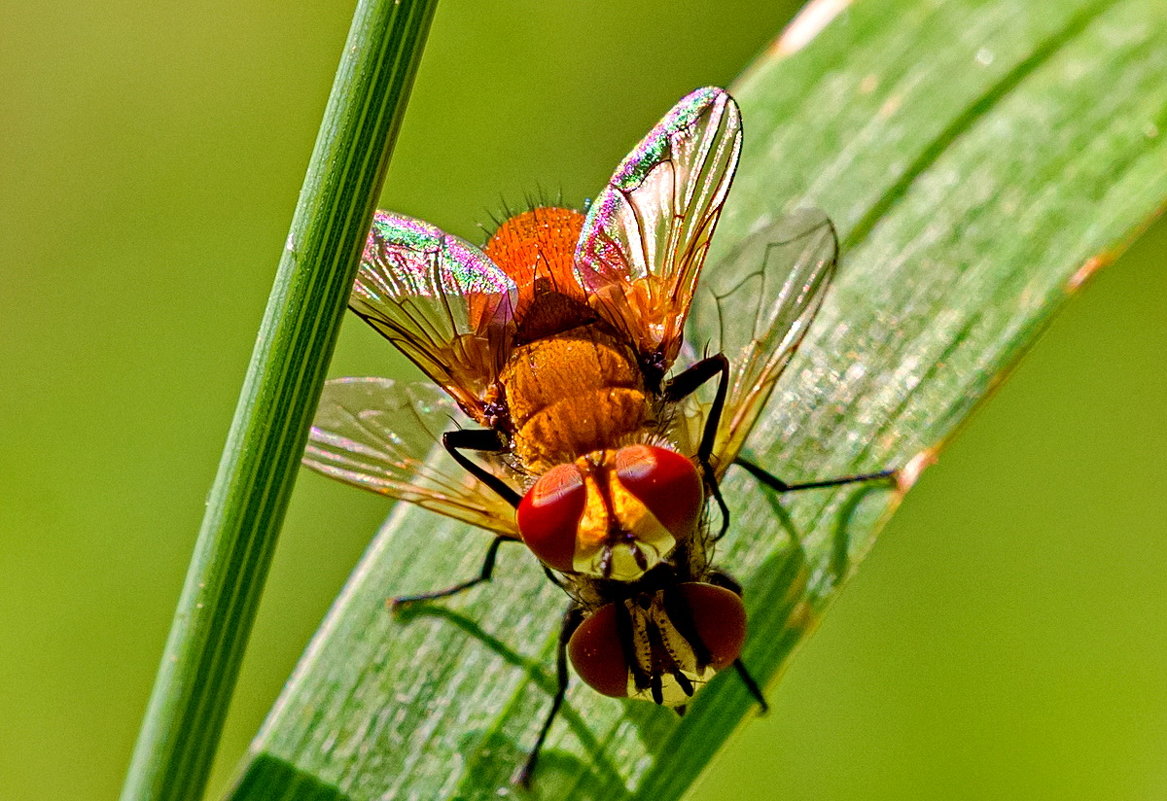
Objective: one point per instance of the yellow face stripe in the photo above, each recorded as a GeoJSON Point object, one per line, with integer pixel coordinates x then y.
{"type": "Point", "coordinates": [677, 648]}
{"type": "Point", "coordinates": [614, 523]}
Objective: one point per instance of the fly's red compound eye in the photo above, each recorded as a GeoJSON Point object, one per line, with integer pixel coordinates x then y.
{"type": "Point", "coordinates": [664, 481]}
{"type": "Point", "coordinates": [597, 654]}
{"type": "Point", "coordinates": [698, 632]}
{"type": "Point", "coordinates": [719, 618]}
{"type": "Point", "coordinates": [548, 516]}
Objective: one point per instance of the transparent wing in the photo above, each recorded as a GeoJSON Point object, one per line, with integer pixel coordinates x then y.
{"type": "Point", "coordinates": [647, 233]}
{"type": "Point", "coordinates": [440, 301]}
{"type": "Point", "coordinates": [758, 303]}
{"type": "Point", "coordinates": [381, 435]}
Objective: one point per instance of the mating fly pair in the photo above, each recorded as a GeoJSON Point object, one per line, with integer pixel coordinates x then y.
{"type": "Point", "coordinates": [557, 339]}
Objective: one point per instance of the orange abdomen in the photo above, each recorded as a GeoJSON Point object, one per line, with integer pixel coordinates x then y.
{"type": "Point", "coordinates": [578, 391]}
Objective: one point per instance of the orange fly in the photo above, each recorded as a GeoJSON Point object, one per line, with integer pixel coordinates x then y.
{"type": "Point", "coordinates": [557, 339]}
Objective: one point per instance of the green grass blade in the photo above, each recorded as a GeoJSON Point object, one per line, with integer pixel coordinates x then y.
{"type": "Point", "coordinates": [247, 502]}
{"type": "Point", "coordinates": [981, 159]}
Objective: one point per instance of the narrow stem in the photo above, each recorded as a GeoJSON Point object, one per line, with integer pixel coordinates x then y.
{"type": "Point", "coordinates": [180, 732]}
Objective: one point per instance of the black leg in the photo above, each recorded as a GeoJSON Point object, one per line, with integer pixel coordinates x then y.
{"type": "Point", "coordinates": [778, 485]}
{"type": "Point", "coordinates": [483, 575]}
{"type": "Point", "coordinates": [554, 579]}
{"type": "Point", "coordinates": [685, 384]}
{"type": "Point", "coordinates": [680, 614]}
{"type": "Point", "coordinates": [725, 581]}
{"type": "Point", "coordinates": [715, 491]}
{"type": "Point", "coordinates": [480, 439]}
{"type": "Point", "coordinates": [571, 622]}
{"type": "Point", "coordinates": [751, 685]}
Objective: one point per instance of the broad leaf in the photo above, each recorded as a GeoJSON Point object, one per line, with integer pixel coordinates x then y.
{"type": "Point", "coordinates": [980, 160]}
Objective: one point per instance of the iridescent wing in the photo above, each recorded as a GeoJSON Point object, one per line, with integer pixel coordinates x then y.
{"type": "Point", "coordinates": [759, 303]}
{"type": "Point", "coordinates": [647, 233]}
{"type": "Point", "coordinates": [440, 301]}
{"type": "Point", "coordinates": [381, 435]}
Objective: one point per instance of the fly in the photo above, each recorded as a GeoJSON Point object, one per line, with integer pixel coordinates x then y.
{"type": "Point", "coordinates": [558, 339]}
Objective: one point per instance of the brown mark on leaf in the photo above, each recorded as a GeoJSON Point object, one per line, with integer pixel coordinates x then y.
{"type": "Point", "coordinates": [809, 22]}
{"type": "Point", "coordinates": [907, 475]}
{"type": "Point", "coordinates": [1088, 268]}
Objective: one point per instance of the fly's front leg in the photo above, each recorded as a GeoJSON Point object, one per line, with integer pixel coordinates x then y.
{"type": "Point", "coordinates": [571, 622]}
{"type": "Point", "coordinates": [778, 485]}
{"type": "Point", "coordinates": [751, 685]}
{"type": "Point", "coordinates": [483, 576]}
{"type": "Point", "coordinates": [686, 383]}
{"type": "Point", "coordinates": [488, 441]}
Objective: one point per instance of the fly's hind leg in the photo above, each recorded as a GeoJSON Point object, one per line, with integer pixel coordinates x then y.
{"type": "Point", "coordinates": [571, 622]}
{"type": "Point", "coordinates": [728, 582]}
{"type": "Point", "coordinates": [488, 441]}
{"type": "Point", "coordinates": [778, 485]}
{"type": "Point", "coordinates": [686, 383]}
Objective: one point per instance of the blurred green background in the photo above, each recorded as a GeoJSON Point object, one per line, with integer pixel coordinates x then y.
{"type": "Point", "coordinates": [1007, 639]}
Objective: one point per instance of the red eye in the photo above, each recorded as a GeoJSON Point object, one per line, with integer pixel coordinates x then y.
{"type": "Point", "coordinates": [720, 620]}
{"type": "Point", "coordinates": [664, 481]}
{"type": "Point", "coordinates": [548, 516]}
{"type": "Point", "coordinates": [597, 654]}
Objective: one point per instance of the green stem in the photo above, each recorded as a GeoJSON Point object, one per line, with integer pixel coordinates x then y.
{"type": "Point", "coordinates": [180, 732]}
